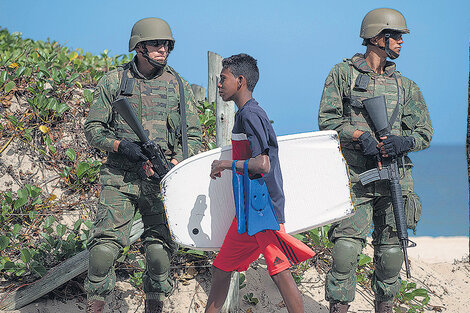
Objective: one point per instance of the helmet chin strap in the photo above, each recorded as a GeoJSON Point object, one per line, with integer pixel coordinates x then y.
{"type": "Point", "coordinates": [390, 53]}
{"type": "Point", "coordinates": [157, 65]}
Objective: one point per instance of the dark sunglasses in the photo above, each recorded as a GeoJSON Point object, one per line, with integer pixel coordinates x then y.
{"type": "Point", "coordinates": [157, 43]}
{"type": "Point", "coordinates": [394, 35]}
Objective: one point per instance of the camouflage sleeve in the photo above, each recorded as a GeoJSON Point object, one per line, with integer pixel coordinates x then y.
{"type": "Point", "coordinates": [331, 114]}
{"type": "Point", "coordinates": [416, 121]}
{"type": "Point", "coordinates": [96, 127]}
{"type": "Point", "coordinates": [193, 126]}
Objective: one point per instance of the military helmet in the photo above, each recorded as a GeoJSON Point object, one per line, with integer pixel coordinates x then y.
{"type": "Point", "coordinates": [379, 19]}
{"type": "Point", "coordinates": [150, 28]}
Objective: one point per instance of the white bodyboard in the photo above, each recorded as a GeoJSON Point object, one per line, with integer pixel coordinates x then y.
{"type": "Point", "coordinates": [316, 186]}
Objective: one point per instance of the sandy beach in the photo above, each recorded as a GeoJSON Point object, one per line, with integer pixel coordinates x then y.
{"type": "Point", "coordinates": [438, 263]}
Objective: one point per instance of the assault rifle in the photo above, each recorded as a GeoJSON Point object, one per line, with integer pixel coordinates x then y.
{"type": "Point", "coordinates": [152, 150]}
{"type": "Point", "coordinates": [376, 108]}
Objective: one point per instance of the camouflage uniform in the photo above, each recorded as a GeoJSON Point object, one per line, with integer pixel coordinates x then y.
{"type": "Point", "coordinates": [341, 109]}
{"type": "Point", "coordinates": [155, 102]}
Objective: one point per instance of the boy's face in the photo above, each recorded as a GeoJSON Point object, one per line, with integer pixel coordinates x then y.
{"type": "Point", "coordinates": [228, 85]}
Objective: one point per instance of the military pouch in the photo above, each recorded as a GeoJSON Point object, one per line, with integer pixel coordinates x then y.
{"type": "Point", "coordinates": [412, 210]}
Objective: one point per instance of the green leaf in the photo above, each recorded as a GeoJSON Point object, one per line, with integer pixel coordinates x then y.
{"type": "Point", "coordinates": [61, 108]}
{"type": "Point", "coordinates": [211, 145]}
{"type": "Point", "coordinates": [25, 255]}
{"type": "Point", "coordinates": [300, 237]}
{"type": "Point", "coordinates": [88, 224]}
{"type": "Point", "coordinates": [61, 229]}
{"type": "Point", "coordinates": [34, 191]}
{"type": "Point", "coordinates": [4, 242]}
{"type": "Point", "coordinates": [9, 86]}
{"type": "Point", "coordinates": [195, 252]}
{"type": "Point", "coordinates": [70, 153]}
{"type": "Point", "coordinates": [32, 215]}
{"type": "Point", "coordinates": [49, 221]}
{"type": "Point", "coordinates": [410, 286]}
{"type": "Point", "coordinates": [8, 197]}
{"type": "Point", "coordinates": [363, 259]}
{"type": "Point", "coordinates": [82, 168]}
{"type": "Point", "coordinates": [77, 224]}
{"type": "Point", "coordinates": [420, 292]}
{"type": "Point", "coordinates": [9, 265]}
{"type": "Point", "coordinates": [28, 72]}
{"type": "Point", "coordinates": [22, 198]}
{"type": "Point", "coordinates": [38, 268]}
{"type": "Point", "coordinates": [16, 229]}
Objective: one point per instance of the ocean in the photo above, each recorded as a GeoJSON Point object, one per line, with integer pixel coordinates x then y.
{"type": "Point", "coordinates": [441, 181]}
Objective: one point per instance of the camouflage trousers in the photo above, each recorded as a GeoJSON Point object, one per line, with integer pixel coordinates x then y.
{"type": "Point", "coordinates": [122, 194]}
{"type": "Point", "coordinates": [370, 207]}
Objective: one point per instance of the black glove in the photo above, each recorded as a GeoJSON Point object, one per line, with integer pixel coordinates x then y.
{"type": "Point", "coordinates": [132, 151]}
{"type": "Point", "coordinates": [397, 145]}
{"type": "Point", "coordinates": [368, 145]}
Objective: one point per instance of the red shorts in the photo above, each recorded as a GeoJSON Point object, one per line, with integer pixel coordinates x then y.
{"type": "Point", "coordinates": [280, 250]}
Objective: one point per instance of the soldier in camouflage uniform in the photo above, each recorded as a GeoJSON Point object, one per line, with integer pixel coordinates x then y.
{"type": "Point", "coordinates": [362, 77]}
{"type": "Point", "coordinates": [154, 96]}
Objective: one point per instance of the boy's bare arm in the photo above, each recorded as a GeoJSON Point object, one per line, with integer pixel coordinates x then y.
{"type": "Point", "coordinates": [257, 165]}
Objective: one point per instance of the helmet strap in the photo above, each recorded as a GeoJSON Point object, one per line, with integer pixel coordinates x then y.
{"type": "Point", "coordinates": [391, 54]}
{"type": "Point", "coordinates": [157, 65]}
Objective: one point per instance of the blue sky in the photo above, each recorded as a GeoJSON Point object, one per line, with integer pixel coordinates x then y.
{"type": "Point", "coordinates": [296, 44]}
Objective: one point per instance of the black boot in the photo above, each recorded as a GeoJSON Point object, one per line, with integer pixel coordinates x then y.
{"type": "Point", "coordinates": [338, 307]}
{"type": "Point", "coordinates": [95, 306]}
{"type": "Point", "coordinates": [383, 306]}
{"type": "Point", "coordinates": [153, 306]}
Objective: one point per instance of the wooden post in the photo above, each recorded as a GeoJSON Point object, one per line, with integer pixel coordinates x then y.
{"type": "Point", "coordinates": [468, 153]}
{"type": "Point", "coordinates": [56, 276]}
{"type": "Point", "coordinates": [199, 92]}
{"type": "Point", "coordinates": [225, 113]}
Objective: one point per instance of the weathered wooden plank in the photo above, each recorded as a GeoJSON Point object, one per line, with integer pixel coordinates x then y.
{"type": "Point", "coordinates": [225, 114]}
{"type": "Point", "coordinates": [56, 276]}
{"type": "Point", "coordinates": [225, 111]}
{"type": "Point", "coordinates": [199, 92]}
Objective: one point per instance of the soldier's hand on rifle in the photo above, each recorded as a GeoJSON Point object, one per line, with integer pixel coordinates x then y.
{"type": "Point", "coordinates": [132, 151]}
{"type": "Point", "coordinates": [369, 145]}
{"type": "Point", "coordinates": [396, 145]}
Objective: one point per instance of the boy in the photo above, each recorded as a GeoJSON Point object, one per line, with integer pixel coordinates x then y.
{"type": "Point", "coordinates": [253, 138]}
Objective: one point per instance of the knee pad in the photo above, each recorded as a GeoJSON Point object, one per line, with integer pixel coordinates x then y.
{"type": "Point", "coordinates": [345, 257]}
{"type": "Point", "coordinates": [158, 261]}
{"type": "Point", "coordinates": [388, 261]}
{"type": "Point", "coordinates": [101, 260]}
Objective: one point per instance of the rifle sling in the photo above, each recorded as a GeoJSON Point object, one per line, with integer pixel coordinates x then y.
{"type": "Point", "coordinates": [184, 131]}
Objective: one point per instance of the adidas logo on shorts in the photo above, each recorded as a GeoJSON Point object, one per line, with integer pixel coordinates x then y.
{"type": "Point", "coordinates": [277, 261]}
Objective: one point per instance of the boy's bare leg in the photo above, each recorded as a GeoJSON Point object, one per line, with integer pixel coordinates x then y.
{"type": "Point", "coordinates": [219, 289]}
{"type": "Point", "coordinates": [289, 291]}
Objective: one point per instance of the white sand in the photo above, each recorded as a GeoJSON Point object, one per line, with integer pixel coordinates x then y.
{"type": "Point", "coordinates": [436, 263]}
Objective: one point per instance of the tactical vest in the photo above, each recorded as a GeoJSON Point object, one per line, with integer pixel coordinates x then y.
{"type": "Point", "coordinates": [156, 104]}
{"type": "Point", "coordinates": [361, 86]}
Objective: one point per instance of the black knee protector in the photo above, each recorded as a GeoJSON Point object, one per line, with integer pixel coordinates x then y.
{"type": "Point", "coordinates": [345, 257]}
{"type": "Point", "coordinates": [101, 260]}
{"type": "Point", "coordinates": [158, 261]}
{"type": "Point", "coordinates": [388, 261]}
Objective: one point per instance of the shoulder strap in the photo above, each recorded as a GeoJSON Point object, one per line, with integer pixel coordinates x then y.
{"type": "Point", "coordinates": [184, 131]}
{"type": "Point", "coordinates": [395, 111]}
{"type": "Point", "coordinates": [127, 84]}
